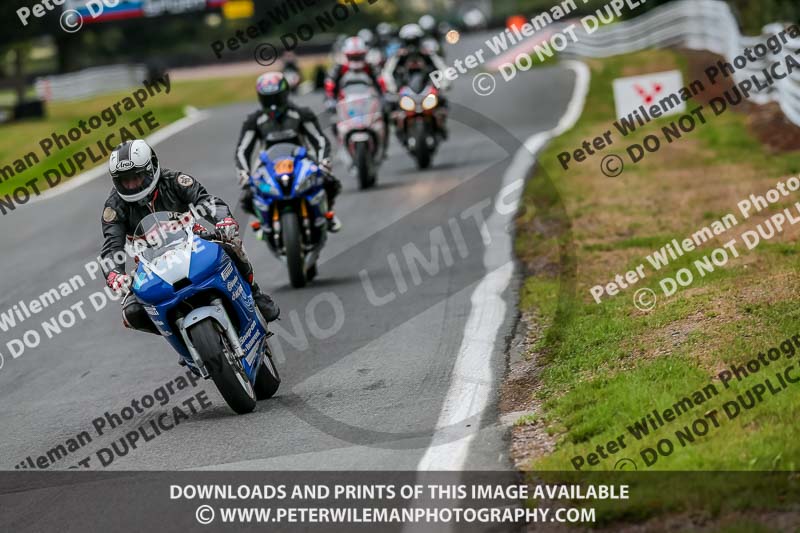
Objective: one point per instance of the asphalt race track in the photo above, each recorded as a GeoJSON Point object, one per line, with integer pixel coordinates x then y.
{"type": "Point", "coordinates": [363, 384]}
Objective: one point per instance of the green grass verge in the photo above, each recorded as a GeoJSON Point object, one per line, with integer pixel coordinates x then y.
{"type": "Point", "coordinates": [605, 366]}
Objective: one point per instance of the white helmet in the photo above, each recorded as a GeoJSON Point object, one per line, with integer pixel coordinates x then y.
{"type": "Point", "coordinates": [134, 170]}
{"type": "Point", "coordinates": [411, 33]}
{"type": "Point", "coordinates": [368, 36]}
{"type": "Point", "coordinates": [427, 23]}
{"type": "Point", "coordinates": [355, 51]}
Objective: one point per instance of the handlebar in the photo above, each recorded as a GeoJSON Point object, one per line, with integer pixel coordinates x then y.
{"type": "Point", "coordinates": [207, 235]}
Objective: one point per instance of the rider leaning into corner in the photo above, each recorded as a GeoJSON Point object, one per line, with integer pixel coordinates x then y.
{"type": "Point", "coordinates": [142, 187]}
{"type": "Point", "coordinates": [279, 121]}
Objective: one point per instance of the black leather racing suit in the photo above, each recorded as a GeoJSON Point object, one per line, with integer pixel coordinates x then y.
{"type": "Point", "coordinates": [178, 193]}
{"type": "Point", "coordinates": [296, 125]}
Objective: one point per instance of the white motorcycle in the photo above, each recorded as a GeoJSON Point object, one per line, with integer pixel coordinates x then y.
{"type": "Point", "coordinates": [361, 130]}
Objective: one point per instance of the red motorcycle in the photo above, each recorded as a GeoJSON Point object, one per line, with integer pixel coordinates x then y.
{"type": "Point", "coordinates": [420, 119]}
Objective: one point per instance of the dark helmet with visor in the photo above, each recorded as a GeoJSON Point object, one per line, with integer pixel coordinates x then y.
{"type": "Point", "coordinates": [273, 93]}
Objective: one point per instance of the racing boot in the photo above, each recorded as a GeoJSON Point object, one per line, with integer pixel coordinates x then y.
{"type": "Point", "coordinates": [332, 189]}
{"type": "Point", "coordinates": [334, 224]}
{"type": "Point", "coordinates": [269, 309]}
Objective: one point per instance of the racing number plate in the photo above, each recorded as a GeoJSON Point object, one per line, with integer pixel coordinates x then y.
{"type": "Point", "coordinates": [284, 166]}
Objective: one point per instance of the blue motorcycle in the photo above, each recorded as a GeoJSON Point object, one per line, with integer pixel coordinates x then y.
{"type": "Point", "coordinates": [203, 307]}
{"type": "Point", "coordinates": [290, 203]}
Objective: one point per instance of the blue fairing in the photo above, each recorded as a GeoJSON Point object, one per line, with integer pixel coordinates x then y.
{"type": "Point", "coordinates": [207, 263]}
{"type": "Point", "coordinates": [266, 183]}
{"type": "Point", "coordinates": [211, 271]}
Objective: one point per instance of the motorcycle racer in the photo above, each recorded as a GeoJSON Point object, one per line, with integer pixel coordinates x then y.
{"type": "Point", "coordinates": [279, 121]}
{"type": "Point", "coordinates": [414, 58]}
{"type": "Point", "coordinates": [141, 187]}
{"type": "Point", "coordinates": [355, 69]}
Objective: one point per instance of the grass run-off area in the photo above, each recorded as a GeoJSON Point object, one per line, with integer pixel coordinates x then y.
{"type": "Point", "coordinates": [600, 368]}
{"type": "Point", "coordinates": [20, 138]}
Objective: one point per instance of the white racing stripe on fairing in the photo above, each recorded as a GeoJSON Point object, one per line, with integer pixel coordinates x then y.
{"type": "Point", "coordinates": [472, 379]}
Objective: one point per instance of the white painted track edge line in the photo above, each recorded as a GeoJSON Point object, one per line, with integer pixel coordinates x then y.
{"type": "Point", "coordinates": [469, 397]}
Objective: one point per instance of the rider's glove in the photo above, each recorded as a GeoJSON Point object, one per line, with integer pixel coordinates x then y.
{"type": "Point", "coordinates": [227, 229]}
{"type": "Point", "coordinates": [243, 178]}
{"type": "Point", "coordinates": [326, 165]}
{"type": "Point", "coordinates": [118, 282]}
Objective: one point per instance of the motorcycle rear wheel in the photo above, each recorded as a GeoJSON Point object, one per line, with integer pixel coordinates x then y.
{"type": "Point", "coordinates": [365, 175]}
{"type": "Point", "coordinates": [228, 375]}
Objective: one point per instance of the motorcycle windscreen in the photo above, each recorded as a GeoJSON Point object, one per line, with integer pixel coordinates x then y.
{"type": "Point", "coordinates": [359, 102]}
{"type": "Point", "coordinates": [162, 241]}
{"type": "Point", "coordinates": [282, 151]}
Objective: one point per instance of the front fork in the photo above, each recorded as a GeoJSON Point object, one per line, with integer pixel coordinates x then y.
{"type": "Point", "coordinates": [306, 205]}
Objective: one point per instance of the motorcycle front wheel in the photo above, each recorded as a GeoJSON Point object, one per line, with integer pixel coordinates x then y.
{"type": "Point", "coordinates": [226, 371]}
{"type": "Point", "coordinates": [267, 378]}
{"type": "Point", "coordinates": [421, 151]}
{"type": "Point", "coordinates": [293, 244]}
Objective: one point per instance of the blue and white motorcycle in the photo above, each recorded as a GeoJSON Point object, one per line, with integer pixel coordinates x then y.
{"type": "Point", "coordinates": [290, 203]}
{"type": "Point", "coordinates": [204, 308]}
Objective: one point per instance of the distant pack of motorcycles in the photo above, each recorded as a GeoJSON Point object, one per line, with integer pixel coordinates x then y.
{"type": "Point", "coordinates": [289, 200]}
{"type": "Point", "coordinates": [410, 101]}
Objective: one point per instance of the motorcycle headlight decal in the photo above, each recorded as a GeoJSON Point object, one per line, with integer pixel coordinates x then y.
{"type": "Point", "coordinates": [284, 166]}
{"type": "Point", "coordinates": [430, 102]}
{"type": "Point", "coordinates": [408, 104]}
